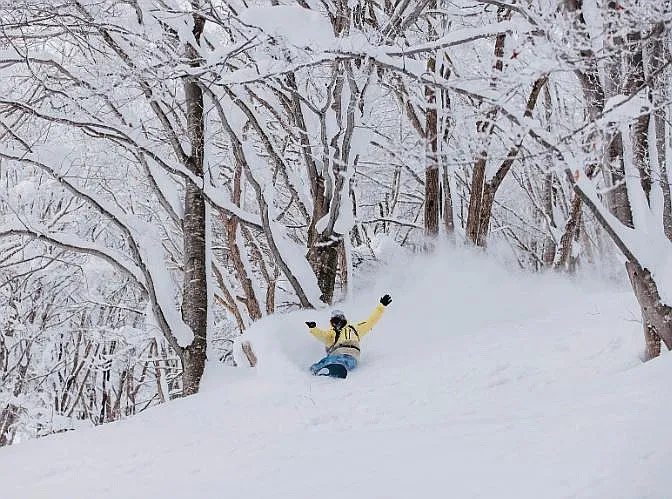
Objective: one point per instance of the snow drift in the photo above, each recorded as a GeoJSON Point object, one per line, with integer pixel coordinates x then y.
{"type": "Point", "coordinates": [477, 382]}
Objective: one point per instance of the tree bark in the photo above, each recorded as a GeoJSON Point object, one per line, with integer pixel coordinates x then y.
{"type": "Point", "coordinates": [448, 215]}
{"type": "Point", "coordinates": [549, 249]}
{"type": "Point", "coordinates": [432, 180]}
{"type": "Point", "coordinates": [8, 418]}
{"type": "Point", "coordinates": [432, 200]}
{"type": "Point", "coordinates": [564, 252]}
{"type": "Point", "coordinates": [476, 198]}
{"type": "Point", "coordinates": [195, 292]}
{"type": "Point", "coordinates": [249, 353]}
{"type": "Point", "coordinates": [656, 316]}
{"type": "Point", "coordinates": [323, 256]}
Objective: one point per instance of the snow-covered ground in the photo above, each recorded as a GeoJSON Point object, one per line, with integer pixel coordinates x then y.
{"type": "Point", "coordinates": [477, 382]}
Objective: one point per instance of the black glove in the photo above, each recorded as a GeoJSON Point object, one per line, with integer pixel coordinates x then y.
{"type": "Point", "coordinates": [386, 300]}
{"type": "Point", "coordinates": [311, 324]}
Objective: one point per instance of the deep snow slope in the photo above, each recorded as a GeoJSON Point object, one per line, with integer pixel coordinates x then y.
{"type": "Point", "coordinates": [477, 382]}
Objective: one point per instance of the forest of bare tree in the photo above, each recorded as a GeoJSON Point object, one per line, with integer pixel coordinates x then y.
{"type": "Point", "coordinates": [172, 171]}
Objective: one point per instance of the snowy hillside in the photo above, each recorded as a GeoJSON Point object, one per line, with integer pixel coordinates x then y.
{"type": "Point", "coordinates": [476, 383]}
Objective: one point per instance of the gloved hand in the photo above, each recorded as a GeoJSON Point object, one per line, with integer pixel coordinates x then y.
{"type": "Point", "coordinates": [386, 300]}
{"type": "Point", "coordinates": [311, 324]}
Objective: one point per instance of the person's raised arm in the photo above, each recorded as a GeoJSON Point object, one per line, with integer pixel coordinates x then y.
{"type": "Point", "coordinates": [320, 334]}
{"type": "Point", "coordinates": [366, 326]}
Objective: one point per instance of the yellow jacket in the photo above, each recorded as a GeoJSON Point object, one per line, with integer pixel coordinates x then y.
{"type": "Point", "coordinates": [348, 340]}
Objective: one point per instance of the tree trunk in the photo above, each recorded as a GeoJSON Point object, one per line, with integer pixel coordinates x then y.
{"type": "Point", "coordinates": [564, 252]}
{"type": "Point", "coordinates": [232, 232]}
{"type": "Point", "coordinates": [323, 256]}
{"type": "Point", "coordinates": [659, 123]}
{"type": "Point", "coordinates": [549, 249]}
{"type": "Point", "coordinates": [249, 353]}
{"type": "Point", "coordinates": [476, 199]}
{"type": "Point", "coordinates": [656, 316]}
{"type": "Point", "coordinates": [657, 54]}
{"type": "Point", "coordinates": [651, 341]}
{"type": "Point", "coordinates": [432, 181]}
{"type": "Point", "coordinates": [195, 292]}
{"type": "Point", "coordinates": [485, 213]}
{"type": "Point", "coordinates": [8, 418]}
{"type": "Point", "coordinates": [548, 194]}
{"type": "Point", "coordinates": [325, 246]}
{"type": "Point", "coordinates": [432, 200]}
{"type": "Point", "coordinates": [448, 215]}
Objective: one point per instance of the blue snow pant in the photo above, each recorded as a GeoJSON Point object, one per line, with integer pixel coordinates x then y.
{"type": "Point", "coordinates": [347, 361]}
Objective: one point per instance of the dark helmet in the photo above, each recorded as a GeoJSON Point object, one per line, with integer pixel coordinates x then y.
{"type": "Point", "coordinates": [338, 319]}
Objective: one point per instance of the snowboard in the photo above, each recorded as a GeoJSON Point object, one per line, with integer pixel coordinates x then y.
{"type": "Point", "coordinates": [333, 370]}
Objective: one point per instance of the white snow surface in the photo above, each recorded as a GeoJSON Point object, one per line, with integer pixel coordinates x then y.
{"type": "Point", "coordinates": [477, 382]}
{"type": "Point", "coordinates": [624, 107]}
{"type": "Point", "coordinates": [296, 25]}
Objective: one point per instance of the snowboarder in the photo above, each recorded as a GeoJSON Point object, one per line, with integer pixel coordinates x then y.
{"type": "Point", "coordinates": [342, 340]}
